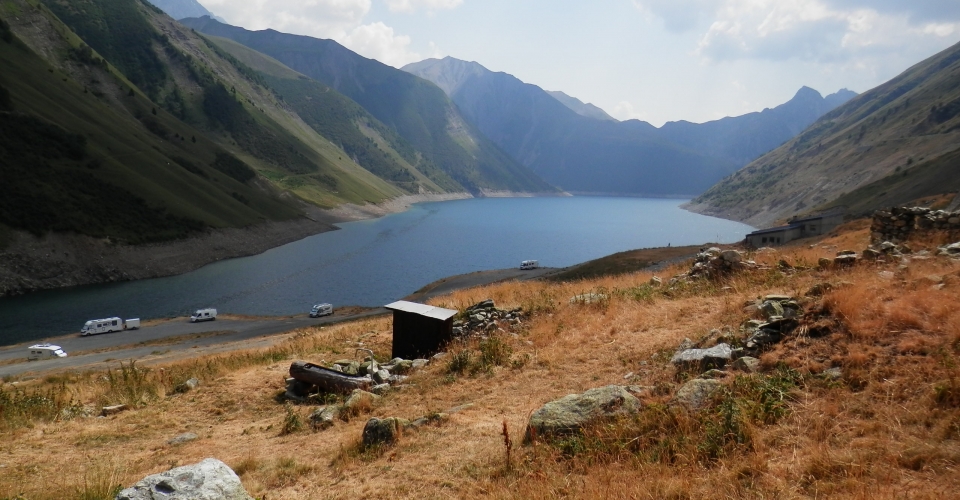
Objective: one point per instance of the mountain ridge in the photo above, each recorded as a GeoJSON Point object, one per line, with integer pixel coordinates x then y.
{"type": "Point", "coordinates": [587, 155]}
{"type": "Point", "coordinates": [890, 145]}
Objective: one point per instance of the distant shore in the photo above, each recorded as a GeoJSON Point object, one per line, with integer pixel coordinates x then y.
{"type": "Point", "coordinates": [29, 263]}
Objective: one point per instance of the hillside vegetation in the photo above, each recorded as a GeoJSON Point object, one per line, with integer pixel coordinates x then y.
{"type": "Point", "coordinates": [862, 400]}
{"type": "Point", "coordinates": [895, 143]}
{"type": "Point", "coordinates": [417, 110]}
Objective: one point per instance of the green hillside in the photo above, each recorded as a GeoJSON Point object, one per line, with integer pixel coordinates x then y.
{"type": "Point", "coordinates": [416, 109]}
{"type": "Point", "coordinates": [72, 161]}
{"type": "Point", "coordinates": [205, 87]}
{"type": "Point", "coordinates": [895, 143]}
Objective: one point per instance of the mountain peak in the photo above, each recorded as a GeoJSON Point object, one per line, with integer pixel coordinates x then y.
{"type": "Point", "coordinates": [448, 73]}
{"type": "Point", "coordinates": [806, 93]}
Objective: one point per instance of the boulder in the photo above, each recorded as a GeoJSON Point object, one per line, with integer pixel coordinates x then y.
{"type": "Point", "coordinates": [731, 256]}
{"type": "Point", "coordinates": [360, 399]}
{"type": "Point", "coordinates": [588, 298]}
{"type": "Point", "coordinates": [182, 438]}
{"type": "Point", "coordinates": [323, 417]}
{"type": "Point", "coordinates": [771, 308]}
{"type": "Point", "coordinates": [571, 413]}
{"type": "Point", "coordinates": [383, 431]}
{"type": "Point", "coordinates": [210, 479]}
{"type": "Point", "coordinates": [381, 376]}
{"type": "Point", "coordinates": [187, 385]}
{"type": "Point", "coordinates": [380, 389]}
{"type": "Point", "coordinates": [703, 359]}
{"type": "Point", "coordinates": [697, 393]}
{"type": "Point", "coordinates": [656, 282]}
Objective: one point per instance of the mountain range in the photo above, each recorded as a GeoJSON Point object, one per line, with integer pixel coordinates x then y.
{"type": "Point", "coordinates": [569, 145]}
{"type": "Point", "coordinates": [892, 145]}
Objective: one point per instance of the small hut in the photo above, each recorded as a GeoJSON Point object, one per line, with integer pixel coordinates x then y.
{"type": "Point", "coordinates": [420, 330]}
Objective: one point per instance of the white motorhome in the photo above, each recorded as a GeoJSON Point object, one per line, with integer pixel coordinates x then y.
{"type": "Point", "coordinates": [321, 310]}
{"type": "Point", "coordinates": [106, 325]}
{"type": "Point", "coordinates": [45, 351]}
{"type": "Point", "coordinates": [208, 314]}
{"type": "Point", "coordinates": [529, 264]}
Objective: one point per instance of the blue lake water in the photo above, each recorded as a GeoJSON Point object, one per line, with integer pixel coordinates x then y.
{"type": "Point", "coordinates": [374, 262]}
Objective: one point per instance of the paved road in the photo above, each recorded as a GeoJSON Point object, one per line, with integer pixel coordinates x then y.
{"type": "Point", "coordinates": [170, 335]}
{"type": "Point", "coordinates": [179, 335]}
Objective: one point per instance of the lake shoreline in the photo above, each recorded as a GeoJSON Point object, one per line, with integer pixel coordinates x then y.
{"type": "Point", "coordinates": [30, 264]}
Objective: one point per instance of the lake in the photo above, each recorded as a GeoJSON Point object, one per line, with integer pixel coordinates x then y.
{"type": "Point", "coordinates": [374, 262]}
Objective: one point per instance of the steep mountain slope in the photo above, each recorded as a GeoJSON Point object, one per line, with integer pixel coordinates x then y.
{"type": "Point", "coordinates": [890, 145]}
{"type": "Point", "coordinates": [580, 107]}
{"type": "Point", "coordinates": [75, 159]}
{"type": "Point", "coordinates": [743, 138]}
{"type": "Point", "coordinates": [584, 154]}
{"type": "Point", "coordinates": [419, 111]}
{"type": "Point", "coordinates": [574, 152]}
{"type": "Point", "coordinates": [203, 86]}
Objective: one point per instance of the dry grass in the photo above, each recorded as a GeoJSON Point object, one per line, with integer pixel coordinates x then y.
{"type": "Point", "coordinates": [889, 428]}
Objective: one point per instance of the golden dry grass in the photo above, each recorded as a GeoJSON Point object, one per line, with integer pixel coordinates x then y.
{"type": "Point", "coordinates": [889, 428]}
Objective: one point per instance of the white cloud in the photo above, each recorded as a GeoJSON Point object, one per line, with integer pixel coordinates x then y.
{"type": "Point", "coordinates": [378, 41]}
{"type": "Point", "coordinates": [826, 31]}
{"type": "Point", "coordinates": [413, 5]}
{"type": "Point", "coordinates": [624, 110]}
{"type": "Point", "coordinates": [340, 20]}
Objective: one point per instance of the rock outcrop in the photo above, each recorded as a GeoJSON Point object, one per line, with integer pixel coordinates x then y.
{"type": "Point", "coordinates": [210, 479]}
{"type": "Point", "coordinates": [571, 413]}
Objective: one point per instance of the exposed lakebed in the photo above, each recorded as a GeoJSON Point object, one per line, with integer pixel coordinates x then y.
{"type": "Point", "coordinates": [373, 262]}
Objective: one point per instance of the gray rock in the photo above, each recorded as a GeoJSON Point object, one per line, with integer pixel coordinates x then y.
{"type": "Point", "coordinates": [182, 438]}
{"type": "Point", "coordinates": [187, 385]}
{"type": "Point", "coordinates": [396, 379]}
{"type": "Point", "coordinates": [697, 393]}
{"type": "Point", "coordinates": [656, 282]}
{"type": "Point", "coordinates": [569, 414]}
{"type": "Point", "coordinates": [747, 364]}
{"type": "Point", "coordinates": [383, 431]}
{"type": "Point", "coordinates": [731, 256]}
{"type": "Point", "coordinates": [359, 399]}
{"type": "Point", "coordinates": [771, 308]}
{"type": "Point", "coordinates": [703, 359]}
{"type": "Point", "coordinates": [381, 376]}
{"type": "Point", "coordinates": [380, 389]}
{"type": "Point", "coordinates": [323, 417]}
{"type": "Point", "coordinates": [210, 479]}
{"type": "Point", "coordinates": [588, 298]}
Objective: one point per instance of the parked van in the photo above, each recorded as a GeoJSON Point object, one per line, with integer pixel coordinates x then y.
{"type": "Point", "coordinates": [208, 314]}
{"type": "Point", "coordinates": [107, 325]}
{"type": "Point", "coordinates": [321, 310]}
{"type": "Point", "coordinates": [529, 264]}
{"type": "Point", "coordinates": [45, 351]}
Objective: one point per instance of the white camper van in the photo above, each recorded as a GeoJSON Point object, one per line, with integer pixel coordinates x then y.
{"type": "Point", "coordinates": [95, 326]}
{"type": "Point", "coordinates": [529, 264]}
{"type": "Point", "coordinates": [321, 310]}
{"type": "Point", "coordinates": [208, 314]}
{"type": "Point", "coordinates": [107, 325]}
{"type": "Point", "coordinates": [45, 351]}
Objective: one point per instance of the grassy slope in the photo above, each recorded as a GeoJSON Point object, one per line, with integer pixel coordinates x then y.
{"type": "Point", "coordinates": [888, 428]}
{"type": "Point", "coordinates": [128, 161]}
{"type": "Point", "coordinates": [227, 101]}
{"type": "Point", "coordinates": [419, 111]}
{"type": "Point", "coordinates": [366, 140]}
{"type": "Point", "coordinates": [912, 119]}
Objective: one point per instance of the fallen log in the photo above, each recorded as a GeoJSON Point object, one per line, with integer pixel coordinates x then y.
{"type": "Point", "coordinates": [328, 380]}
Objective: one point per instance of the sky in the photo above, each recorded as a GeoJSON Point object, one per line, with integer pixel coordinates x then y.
{"type": "Point", "coordinates": [653, 60]}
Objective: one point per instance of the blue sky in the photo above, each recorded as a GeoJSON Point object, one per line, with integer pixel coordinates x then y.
{"type": "Point", "coordinates": [655, 60]}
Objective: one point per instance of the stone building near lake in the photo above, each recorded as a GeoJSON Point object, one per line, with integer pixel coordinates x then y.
{"type": "Point", "coordinates": [795, 229]}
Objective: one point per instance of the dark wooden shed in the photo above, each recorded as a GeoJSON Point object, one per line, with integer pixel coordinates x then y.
{"type": "Point", "coordinates": [420, 330]}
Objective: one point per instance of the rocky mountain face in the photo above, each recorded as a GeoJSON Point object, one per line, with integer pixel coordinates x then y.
{"type": "Point", "coordinates": [580, 107]}
{"type": "Point", "coordinates": [888, 146]}
{"type": "Point", "coordinates": [418, 110]}
{"type": "Point", "coordinates": [573, 148]}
